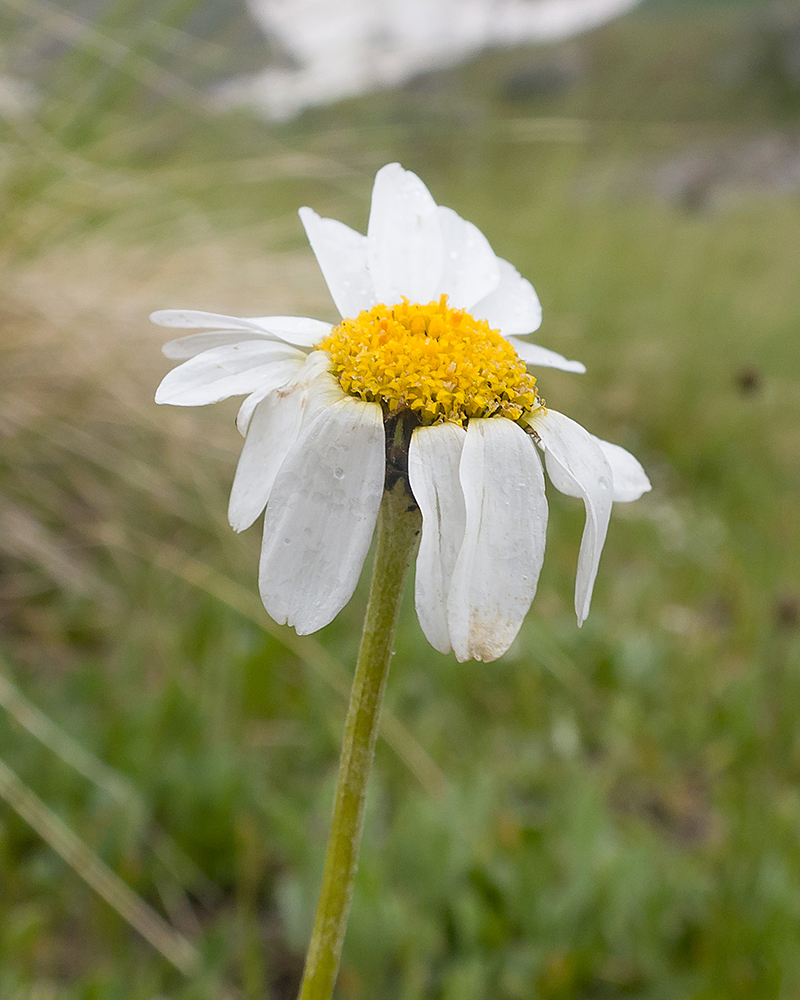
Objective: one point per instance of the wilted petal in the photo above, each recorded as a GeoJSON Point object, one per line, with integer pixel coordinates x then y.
{"type": "Point", "coordinates": [312, 376]}
{"type": "Point", "coordinates": [541, 357]}
{"type": "Point", "coordinates": [433, 463]}
{"type": "Point", "coordinates": [322, 392]}
{"type": "Point", "coordinates": [577, 467]}
{"type": "Point", "coordinates": [470, 269]}
{"type": "Point", "coordinates": [498, 566]}
{"type": "Point", "coordinates": [248, 407]}
{"type": "Point", "coordinates": [341, 253]}
{"type": "Point", "coordinates": [321, 515]}
{"type": "Point", "coordinates": [513, 307]}
{"type": "Point", "coordinates": [630, 479]}
{"type": "Point", "coordinates": [273, 430]}
{"type": "Point", "coordinates": [224, 371]}
{"type": "Point", "coordinates": [404, 238]}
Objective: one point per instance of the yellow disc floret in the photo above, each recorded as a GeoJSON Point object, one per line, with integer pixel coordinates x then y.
{"type": "Point", "coordinates": [441, 363]}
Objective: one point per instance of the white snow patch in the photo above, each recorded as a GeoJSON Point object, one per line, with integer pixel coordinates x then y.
{"type": "Point", "coordinates": [342, 48]}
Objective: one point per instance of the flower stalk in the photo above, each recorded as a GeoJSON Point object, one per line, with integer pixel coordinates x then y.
{"type": "Point", "coordinates": [398, 528]}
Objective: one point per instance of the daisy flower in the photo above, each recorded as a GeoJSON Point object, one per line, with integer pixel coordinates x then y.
{"type": "Point", "coordinates": [425, 378]}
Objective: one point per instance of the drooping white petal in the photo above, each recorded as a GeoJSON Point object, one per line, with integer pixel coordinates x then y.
{"type": "Point", "coordinates": [248, 407]}
{"type": "Point", "coordinates": [498, 566]}
{"type": "Point", "coordinates": [433, 464]}
{"type": "Point", "coordinates": [323, 392]}
{"type": "Point", "coordinates": [513, 307]}
{"type": "Point", "coordinates": [630, 479]}
{"type": "Point", "coordinates": [404, 238]}
{"type": "Point", "coordinates": [321, 515]}
{"type": "Point", "coordinates": [196, 343]}
{"type": "Point", "coordinates": [341, 253]}
{"type": "Point", "coordinates": [470, 269]}
{"type": "Point", "coordinates": [272, 432]}
{"type": "Point", "coordinates": [231, 370]}
{"type": "Point", "coordinates": [577, 467]}
{"type": "Point", "coordinates": [312, 376]}
{"type": "Point", "coordinates": [542, 357]}
{"type": "Point", "coordinates": [299, 330]}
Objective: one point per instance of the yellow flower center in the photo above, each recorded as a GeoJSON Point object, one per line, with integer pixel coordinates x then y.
{"type": "Point", "coordinates": [441, 363]}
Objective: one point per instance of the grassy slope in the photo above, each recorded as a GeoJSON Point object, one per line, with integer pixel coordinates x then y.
{"type": "Point", "coordinates": [621, 814]}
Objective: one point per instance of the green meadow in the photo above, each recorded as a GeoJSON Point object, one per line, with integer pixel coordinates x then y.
{"type": "Point", "coordinates": [610, 813]}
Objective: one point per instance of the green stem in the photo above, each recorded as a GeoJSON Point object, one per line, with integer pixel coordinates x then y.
{"type": "Point", "coordinates": [398, 527]}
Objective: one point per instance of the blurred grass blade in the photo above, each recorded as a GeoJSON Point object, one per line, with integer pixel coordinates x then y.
{"type": "Point", "coordinates": [64, 746]}
{"type": "Point", "coordinates": [180, 866]}
{"type": "Point", "coordinates": [306, 648]}
{"type": "Point", "coordinates": [25, 537]}
{"type": "Point", "coordinates": [174, 947]}
{"type": "Point", "coordinates": [84, 35]}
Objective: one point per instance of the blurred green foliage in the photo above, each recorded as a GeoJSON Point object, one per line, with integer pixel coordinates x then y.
{"type": "Point", "coordinates": [612, 812]}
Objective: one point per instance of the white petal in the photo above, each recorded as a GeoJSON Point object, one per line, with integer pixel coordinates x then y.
{"type": "Point", "coordinates": [513, 307]}
{"type": "Point", "coordinates": [299, 330]}
{"type": "Point", "coordinates": [341, 253]}
{"type": "Point", "coordinates": [321, 515]}
{"type": "Point", "coordinates": [433, 461]}
{"type": "Point", "coordinates": [470, 269]}
{"type": "Point", "coordinates": [196, 343]}
{"type": "Point", "coordinates": [307, 373]}
{"type": "Point", "coordinates": [224, 371]}
{"type": "Point", "coordinates": [323, 392]}
{"type": "Point", "coordinates": [293, 329]}
{"type": "Point", "coordinates": [248, 407]}
{"type": "Point", "coordinates": [541, 357]}
{"type": "Point", "coordinates": [630, 479]}
{"type": "Point", "coordinates": [272, 432]}
{"type": "Point", "coordinates": [195, 319]}
{"type": "Point", "coordinates": [404, 238]}
{"type": "Point", "coordinates": [577, 467]}
{"type": "Point", "coordinates": [497, 570]}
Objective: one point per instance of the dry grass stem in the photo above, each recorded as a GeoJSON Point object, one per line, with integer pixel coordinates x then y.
{"type": "Point", "coordinates": [174, 947]}
{"type": "Point", "coordinates": [177, 863]}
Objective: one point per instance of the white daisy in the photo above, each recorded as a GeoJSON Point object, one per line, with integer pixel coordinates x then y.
{"type": "Point", "coordinates": [427, 354]}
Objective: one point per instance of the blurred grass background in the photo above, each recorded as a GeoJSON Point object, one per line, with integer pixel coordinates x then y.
{"type": "Point", "coordinates": [605, 813]}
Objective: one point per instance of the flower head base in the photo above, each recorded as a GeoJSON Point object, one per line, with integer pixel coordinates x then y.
{"type": "Point", "coordinates": [438, 362]}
